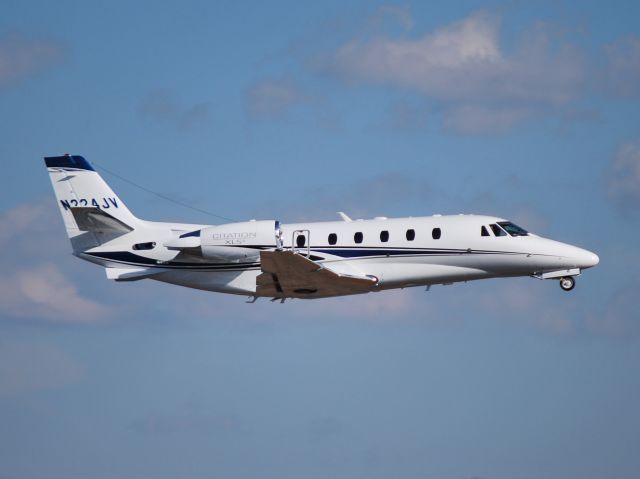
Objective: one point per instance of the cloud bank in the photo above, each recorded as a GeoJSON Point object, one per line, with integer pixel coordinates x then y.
{"type": "Point", "coordinates": [32, 286]}
{"type": "Point", "coordinates": [465, 66]}
{"type": "Point", "coordinates": [44, 292]}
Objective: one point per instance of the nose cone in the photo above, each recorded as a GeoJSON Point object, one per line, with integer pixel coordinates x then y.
{"type": "Point", "coordinates": [552, 255]}
{"type": "Point", "coordinates": [585, 258]}
{"type": "Point", "coordinates": [590, 259]}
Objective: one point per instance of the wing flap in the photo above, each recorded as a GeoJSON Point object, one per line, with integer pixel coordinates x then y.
{"type": "Point", "coordinates": [289, 274]}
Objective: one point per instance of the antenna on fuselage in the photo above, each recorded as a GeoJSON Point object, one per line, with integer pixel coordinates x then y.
{"type": "Point", "coordinates": [344, 216]}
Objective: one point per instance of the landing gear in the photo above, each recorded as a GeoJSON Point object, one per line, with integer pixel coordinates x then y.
{"type": "Point", "coordinates": [567, 283]}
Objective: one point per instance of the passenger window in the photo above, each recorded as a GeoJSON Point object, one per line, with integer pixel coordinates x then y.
{"type": "Point", "coordinates": [411, 235]}
{"type": "Point", "coordinates": [436, 233]}
{"type": "Point", "coordinates": [384, 236]}
{"type": "Point", "coordinates": [357, 237]}
{"type": "Point", "coordinates": [484, 232]}
{"type": "Point", "coordinates": [497, 230]}
{"type": "Point", "coordinates": [300, 241]}
{"type": "Point", "coordinates": [333, 238]}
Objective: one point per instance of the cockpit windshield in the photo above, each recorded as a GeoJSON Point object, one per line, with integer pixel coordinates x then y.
{"type": "Point", "coordinates": [497, 230]}
{"type": "Point", "coordinates": [513, 229]}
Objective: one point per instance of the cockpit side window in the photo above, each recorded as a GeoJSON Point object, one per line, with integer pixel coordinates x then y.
{"type": "Point", "coordinates": [513, 229]}
{"type": "Point", "coordinates": [497, 230]}
{"type": "Point", "coordinates": [483, 231]}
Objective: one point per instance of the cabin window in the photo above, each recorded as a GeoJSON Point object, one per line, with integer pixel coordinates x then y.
{"type": "Point", "coordinates": [301, 240]}
{"type": "Point", "coordinates": [497, 230]}
{"type": "Point", "coordinates": [411, 235]}
{"type": "Point", "coordinates": [384, 236]}
{"type": "Point", "coordinates": [358, 237]}
{"type": "Point", "coordinates": [333, 238]}
{"type": "Point", "coordinates": [143, 246]}
{"type": "Point", "coordinates": [483, 231]}
{"type": "Point", "coordinates": [512, 229]}
{"type": "Point", "coordinates": [436, 233]}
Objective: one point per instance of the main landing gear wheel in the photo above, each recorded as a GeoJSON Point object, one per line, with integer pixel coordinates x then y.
{"type": "Point", "coordinates": [568, 283]}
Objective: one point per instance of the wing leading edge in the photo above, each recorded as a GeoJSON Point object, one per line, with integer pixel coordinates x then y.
{"type": "Point", "coordinates": [286, 274]}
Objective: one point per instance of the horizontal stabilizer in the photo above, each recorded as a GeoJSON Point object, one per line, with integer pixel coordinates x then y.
{"type": "Point", "coordinates": [289, 274]}
{"type": "Point", "coordinates": [132, 274]}
{"type": "Point", "coordinates": [93, 219]}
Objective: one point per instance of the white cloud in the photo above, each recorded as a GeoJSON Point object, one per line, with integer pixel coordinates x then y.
{"type": "Point", "coordinates": [32, 286]}
{"type": "Point", "coordinates": [43, 292]}
{"type": "Point", "coordinates": [464, 61]}
{"type": "Point", "coordinates": [624, 177]}
{"type": "Point", "coordinates": [623, 66]}
{"type": "Point", "coordinates": [481, 85]}
{"type": "Point", "coordinates": [20, 57]}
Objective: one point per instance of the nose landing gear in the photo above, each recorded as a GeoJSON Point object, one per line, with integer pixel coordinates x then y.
{"type": "Point", "coordinates": [567, 283]}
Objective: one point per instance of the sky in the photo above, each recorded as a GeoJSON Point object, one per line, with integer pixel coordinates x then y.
{"type": "Point", "coordinates": [293, 111]}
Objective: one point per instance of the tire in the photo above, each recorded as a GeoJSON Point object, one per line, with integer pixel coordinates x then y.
{"type": "Point", "coordinates": [567, 283]}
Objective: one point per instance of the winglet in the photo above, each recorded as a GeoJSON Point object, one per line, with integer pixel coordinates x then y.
{"type": "Point", "coordinates": [344, 216]}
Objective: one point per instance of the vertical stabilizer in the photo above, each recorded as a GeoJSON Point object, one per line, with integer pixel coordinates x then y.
{"type": "Point", "coordinates": [77, 185]}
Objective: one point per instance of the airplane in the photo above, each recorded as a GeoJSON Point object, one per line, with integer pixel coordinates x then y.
{"type": "Point", "coordinates": [300, 260]}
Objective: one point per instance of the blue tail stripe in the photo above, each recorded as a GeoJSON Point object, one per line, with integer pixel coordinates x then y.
{"type": "Point", "coordinates": [68, 161]}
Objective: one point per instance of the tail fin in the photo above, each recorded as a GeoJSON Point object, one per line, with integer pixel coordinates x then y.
{"type": "Point", "coordinates": [77, 187]}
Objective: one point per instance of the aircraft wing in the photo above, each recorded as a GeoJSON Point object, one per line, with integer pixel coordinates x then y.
{"type": "Point", "coordinates": [93, 219]}
{"type": "Point", "coordinates": [286, 274]}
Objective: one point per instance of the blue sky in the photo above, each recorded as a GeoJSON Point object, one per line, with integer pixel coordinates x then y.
{"type": "Point", "coordinates": [293, 111]}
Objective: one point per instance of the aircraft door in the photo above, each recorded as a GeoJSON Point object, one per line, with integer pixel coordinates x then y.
{"type": "Point", "coordinates": [300, 241]}
{"type": "Point", "coordinates": [279, 242]}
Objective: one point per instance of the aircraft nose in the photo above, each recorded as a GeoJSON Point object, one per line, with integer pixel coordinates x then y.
{"type": "Point", "coordinates": [586, 258]}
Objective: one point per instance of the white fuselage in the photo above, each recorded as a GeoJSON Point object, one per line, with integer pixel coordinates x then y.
{"type": "Point", "coordinates": [399, 252]}
{"type": "Point", "coordinates": [302, 260]}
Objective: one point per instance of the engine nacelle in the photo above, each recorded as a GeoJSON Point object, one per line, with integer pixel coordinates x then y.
{"type": "Point", "coordinates": [238, 242]}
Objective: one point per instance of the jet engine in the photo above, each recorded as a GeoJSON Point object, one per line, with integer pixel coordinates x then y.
{"type": "Point", "coordinates": [238, 242]}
